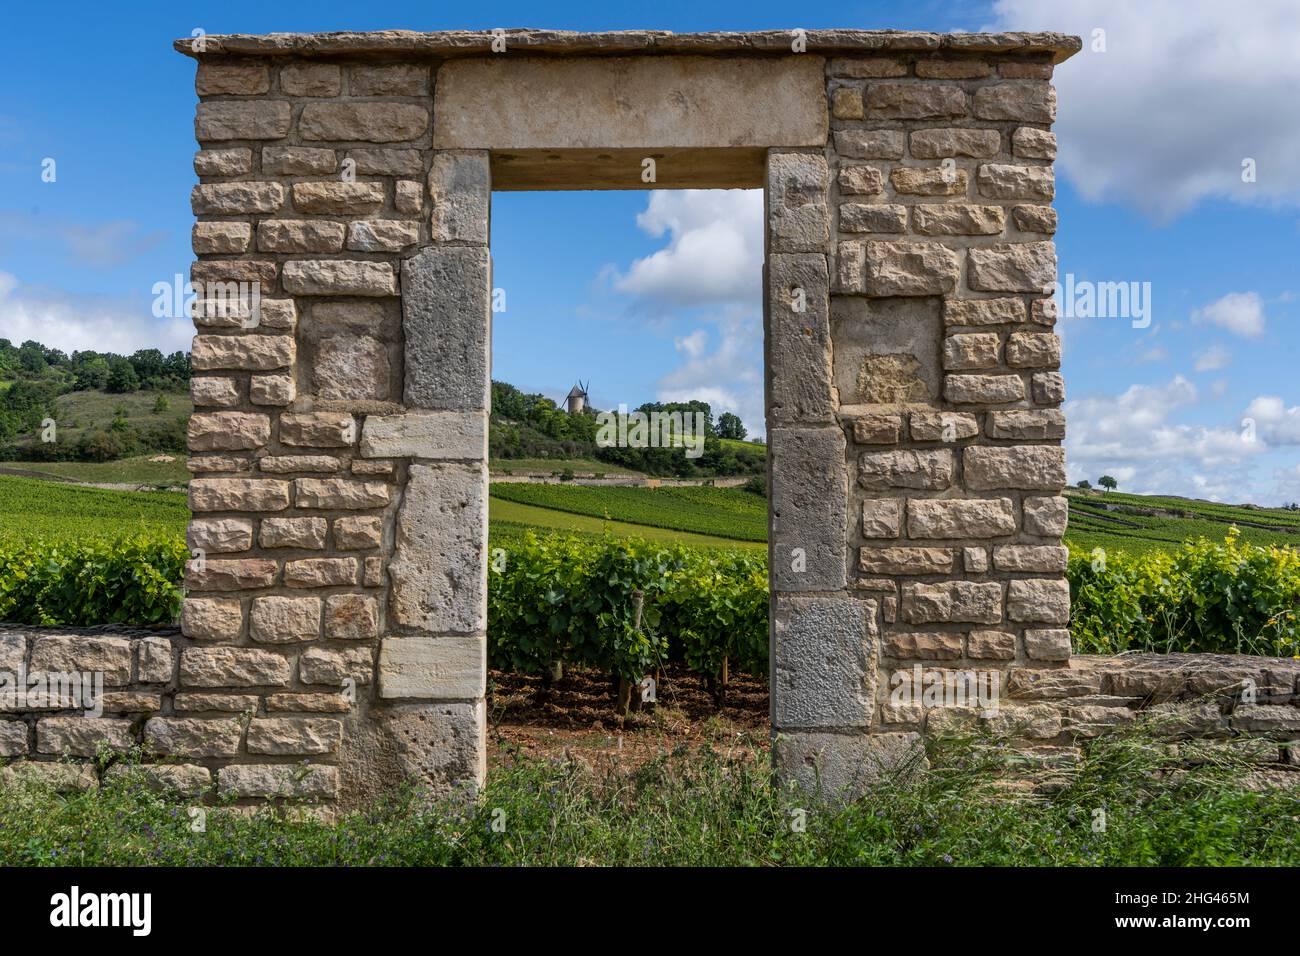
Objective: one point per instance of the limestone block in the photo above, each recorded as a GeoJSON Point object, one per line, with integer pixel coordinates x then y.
{"type": "Point", "coordinates": [809, 509]}
{"type": "Point", "coordinates": [823, 671]}
{"type": "Point", "coordinates": [446, 318]}
{"type": "Point", "coordinates": [799, 339]}
{"type": "Point", "coordinates": [433, 668]}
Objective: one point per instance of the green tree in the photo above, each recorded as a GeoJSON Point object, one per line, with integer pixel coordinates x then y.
{"type": "Point", "coordinates": [730, 426]}
{"type": "Point", "coordinates": [1107, 482]}
{"type": "Point", "coordinates": [1085, 484]}
{"type": "Point", "coordinates": [121, 376]}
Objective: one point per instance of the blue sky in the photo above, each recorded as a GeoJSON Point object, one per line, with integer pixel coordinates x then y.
{"type": "Point", "coordinates": [1156, 118]}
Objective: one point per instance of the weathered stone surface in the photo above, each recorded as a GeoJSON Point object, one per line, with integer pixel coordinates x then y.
{"type": "Point", "coordinates": [279, 314]}
{"type": "Point", "coordinates": [998, 181]}
{"type": "Point", "coordinates": [1039, 601]}
{"type": "Point", "coordinates": [809, 514]}
{"type": "Point", "coordinates": [1030, 557]}
{"type": "Point", "coordinates": [284, 620]}
{"type": "Point", "coordinates": [208, 464]}
{"type": "Point", "coordinates": [844, 766]}
{"type": "Point", "coordinates": [299, 235]}
{"type": "Point", "coordinates": [357, 532]}
{"type": "Point", "coordinates": [236, 78]}
{"type": "Point", "coordinates": [318, 429]}
{"type": "Point", "coordinates": [861, 180]}
{"type": "Point", "coordinates": [798, 342]}
{"type": "Point", "coordinates": [220, 535]}
{"type": "Point", "coordinates": [362, 122]}
{"type": "Point", "coordinates": [928, 181]}
{"type": "Point", "coordinates": [382, 235]}
{"type": "Point", "coordinates": [914, 101]}
{"type": "Point", "coordinates": [942, 143]}
{"type": "Point", "coordinates": [958, 219]}
{"type": "Point", "coordinates": [1013, 267]}
{"type": "Point", "coordinates": [351, 617]}
{"type": "Point", "coordinates": [236, 161]}
{"type": "Point", "coordinates": [952, 601]}
{"type": "Point", "coordinates": [972, 350]}
{"type": "Point", "coordinates": [388, 162]}
{"type": "Point", "coordinates": [238, 494]}
{"type": "Point", "coordinates": [930, 470]}
{"type": "Point", "coordinates": [193, 736]}
{"type": "Point", "coordinates": [58, 777]}
{"type": "Point", "coordinates": [316, 666]}
{"type": "Point", "coordinates": [824, 672]}
{"type": "Point", "coordinates": [351, 367]}
{"type": "Point", "coordinates": [846, 103]}
{"type": "Point", "coordinates": [221, 575]}
{"type": "Point", "coordinates": [983, 389]}
{"type": "Point", "coordinates": [1036, 424]}
{"type": "Point", "coordinates": [181, 780]}
{"type": "Point", "coordinates": [433, 668]}
{"type": "Point", "coordinates": [338, 198]}
{"type": "Point", "coordinates": [153, 660]}
{"type": "Point", "coordinates": [286, 464]}
{"type": "Point", "coordinates": [439, 570]}
{"type": "Point", "coordinates": [991, 645]}
{"type": "Point", "coordinates": [298, 161]}
{"type": "Point", "coordinates": [1046, 644]}
{"type": "Point", "coordinates": [910, 268]}
{"type": "Point", "coordinates": [864, 67]}
{"type": "Point", "coordinates": [1046, 516]}
{"type": "Point", "coordinates": [1033, 349]}
{"type": "Point", "coordinates": [258, 119]}
{"type": "Point", "coordinates": [882, 517]}
{"type": "Point", "coordinates": [942, 426]}
{"type": "Point", "coordinates": [220, 237]}
{"type": "Point", "coordinates": [236, 199]}
{"type": "Point", "coordinates": [69, 654]}
{"type": "Point", "coordinates": [1027, 102]}
{"type": "Point", "coordinates": [408, 197]}
{"type": "Point", "coordinates": [13, 738]}
{"type": "Point", "coordinates": [257, 353]}
{"type": "Point", "coordinates": [870, 143]}
{"type": "Point", "coordinates": [1034, 219]}
{"type": "Point", "coordinates": [232, 667]}
{"type": "Point", "coordinates": [81, 736]}
{"type": "Point", "coordinates": [339, 493]}
{"type": "Point", "coordinates": [960, 517]}
{"type": "Point", "coordinates": [294, 735]}
{"type": "Point", "coordinates": [965, 69]}
{"type": "Point", "coordinates": [677, 101]}
{"type": "Point", "coordinates": [400, 79]}
{"type": "Point", "coordinates": [1030, 143]}
{"type": "Point", "coordinates": [307, 703]}
{"type": "Point", "coordinates": [211, 618]}
{"type": "Point", "coordinates": [798, 210]}
{"type": "Point", "coordinates": [311, 79]}
{"type": "Point", "coordinates": [1264, 718]}
{"type": "Point", "coordinates": [279, 780]}
{"type": "Point", "coordinates": [873, 217]}
{"type": "Point", "coordinates": [983, 311]}
{"type": "Point", "coordinates": [432, 435]}
{"type": "Point", "coordinates": [339, 277]}
{"type": "Point", "coordinates": [228, 431]}
{"type": "Point", "coordinates": [1028, 467]}
{"type": "Point", "coordinates": [195, 703]}
{"type": "Point", "coordinates": [878, 429]}
{"type": "Point", "coordinates": [460, 195]}
{"type": "Point", "coordinates": [308, 533]}
{"type": "Point", "coordinates": [906, 560]}
{"type": "Point", "coordinates": [13, 651]}
{"type": "Point", "coordinates": [443, 745]}
{"type": "Point", "coordinates": [320, 572]}
{"type": "Point", "coordinates": [922, 645]}
{"type": "Point", "coordinates": [1048, 388]}
{"type": "Point", "coordinates": [271, 389]}
{"type": "Point", "coordinates": [446, 318]}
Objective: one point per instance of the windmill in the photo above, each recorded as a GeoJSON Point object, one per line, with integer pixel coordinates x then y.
{"type": "Point", "coordinates": [576, 400]}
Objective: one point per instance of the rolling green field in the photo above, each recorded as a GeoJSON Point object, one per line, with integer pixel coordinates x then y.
{"type": "Point", "coordinates": [89, 410]}
{"type": "Point", "coordinates": [720, 512]}
{"type": "Point", "coordinates": [128, 471]}
{"type": "Point", "coordinates": [1136, 523]}
{"type": "Point", "coordinates": [510, 518]}
{"type": "Point", "coordinates": [31, 508]}
{"type": "Point", "coordinates": [549, 466]}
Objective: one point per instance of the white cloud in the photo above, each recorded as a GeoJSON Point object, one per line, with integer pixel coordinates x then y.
{"type": "Point", "coordinates": [714, 255]}
{"type": "Point", "coordinates": [1184, 92]}
{"type": "Point", "coordinates": [1212, 359]}
{"type": "Point", "coordinates": [1131, 436]}
{"type": "Point", "coordinates": [80, 322]}
{"type": "Point", "coordinates": [1241, 313]}
{"type": "Point", "coordinates": [1274, 422]}
{"type": "Point", "coordinates": [730, 376]}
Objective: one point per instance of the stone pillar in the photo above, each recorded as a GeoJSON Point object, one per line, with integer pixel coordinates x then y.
{"type": "Point", "coordinates": [913, 406]}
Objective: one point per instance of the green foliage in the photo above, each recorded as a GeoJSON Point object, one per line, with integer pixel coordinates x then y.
{"type": "Point", "coordinates": [730, 426]}
{"type": "Point", "coordinates": [128, 580]}
{"type": "Point", "coordinates": [32, 509]}
{"type": "Point", "coordinates": [572, 599]}
{"type": "Point", "coordinates": [697, 809]}
{"type": "Point", "coordinates": [722, 512]}
{"type": "Point", "coordinates": [1230, 598]}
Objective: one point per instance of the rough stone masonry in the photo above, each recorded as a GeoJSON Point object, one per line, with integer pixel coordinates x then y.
{"type": "Point", "coordinates": [336, 612]}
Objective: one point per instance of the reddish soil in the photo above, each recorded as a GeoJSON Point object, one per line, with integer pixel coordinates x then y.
{"type": "Point", "coordinates": [576, 717]}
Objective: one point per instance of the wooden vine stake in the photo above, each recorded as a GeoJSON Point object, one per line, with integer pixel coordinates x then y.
{"type": "Point", "coordinates": [627, 700]}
